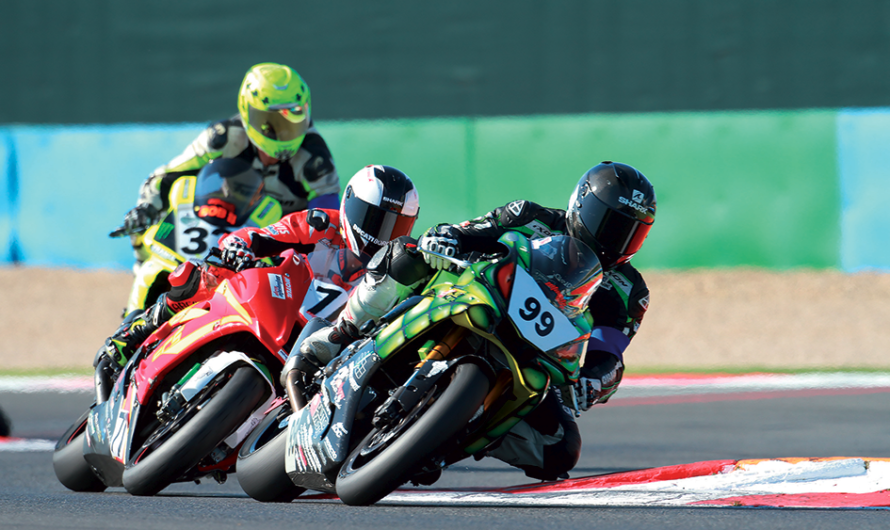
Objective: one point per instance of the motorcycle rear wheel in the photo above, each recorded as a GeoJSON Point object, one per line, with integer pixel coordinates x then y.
{"type": "Point", "coordinates": [70, 467]}
{"type": "Point", "coordinates": [365, 479]}
{"type": "Point", "coordinates": [260, 469]}
{"type": "Point", "coordinates": [199, 435]}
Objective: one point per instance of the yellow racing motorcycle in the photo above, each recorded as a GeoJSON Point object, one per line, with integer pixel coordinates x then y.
{"type": "Point", "coordinates": [227, 194]}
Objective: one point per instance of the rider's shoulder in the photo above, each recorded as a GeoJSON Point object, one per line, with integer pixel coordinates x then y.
{"type": "Point", "coordinates": [228, 136]}
{"type": "Point", "coordinates": [522, 212]}
{"type": "Point", "coordinates": [318, 162]}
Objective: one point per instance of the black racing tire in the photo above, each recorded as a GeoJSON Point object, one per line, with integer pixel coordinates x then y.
{"type": "Point", "coordinates": [220, 416]}
{"type": "Point", "coordinates": [378, 476]}
{"type": "Point", "coordinates": [71, 468]}
{"type": "Point", "coordinates": [260, 469]}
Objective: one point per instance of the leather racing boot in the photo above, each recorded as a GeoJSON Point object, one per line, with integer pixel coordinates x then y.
{"type": "Point", "coordinates": [130, 335]}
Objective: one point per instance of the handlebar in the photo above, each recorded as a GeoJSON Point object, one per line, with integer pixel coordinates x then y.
{"type": "Point", "coordinates": [122, 232]}
{"type": "Point", "coordinates": [472, 257]}
{"type": "Point", "coordinates": [214, 259]}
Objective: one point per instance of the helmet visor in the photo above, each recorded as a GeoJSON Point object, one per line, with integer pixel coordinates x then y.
{"type": "Point", "coordinates": [283, 124]}
{"type": "Point", "coordinates": [615, 232]}
{"type": "Point", "coordinates": [372, 226]}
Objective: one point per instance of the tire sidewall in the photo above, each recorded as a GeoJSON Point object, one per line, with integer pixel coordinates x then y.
{"type": "Point", "coordinates": [446, 417]}
{"type": "Point", "coordinates": [226, 410]}
{"type": "Point", "coordinates": [261, 470]}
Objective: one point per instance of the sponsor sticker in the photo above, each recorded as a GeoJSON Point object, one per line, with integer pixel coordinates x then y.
{"type": "Point", "coordinates": [438, 368]}
{"type": "Point", "coordinates": [331, 451]}
{"type": "Point", "coordinates": [337, 383]}
{"type": "Point", "coordinates": [276, 284]}
{"type": "Point", "coordinates": [287, 288]}
{"type": "Point", "coordinates": [620, 281]}
{"type": "Point", "coordinates": [338, 429]}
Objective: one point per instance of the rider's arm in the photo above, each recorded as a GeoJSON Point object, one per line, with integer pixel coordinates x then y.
{"type": "Point", "coordinates": [617, 309]}
{"type": "Point", "coordinates": [481, 234]}
{"type": "Point", "coordinates": [223, 138]}
{"type": "Point", "coordinates": [314, 171]}
{"type": "Point", "coordinates": [299, 231]}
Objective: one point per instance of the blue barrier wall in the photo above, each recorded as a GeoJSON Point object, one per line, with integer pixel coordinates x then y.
{"type": "Point", "coordinates": [864, 172]}
{"type": "Point", "coordinates": [8, 195]}
{"type": "Point", "coordinates": [76, 183]}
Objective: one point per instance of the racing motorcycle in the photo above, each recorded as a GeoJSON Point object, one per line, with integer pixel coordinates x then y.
{"type": "Point", "coordinates": [443, 376]}
{"type": "Point", "coordinates": [195, 388]}
{"type": "Point", "coordinates": [203, 209]}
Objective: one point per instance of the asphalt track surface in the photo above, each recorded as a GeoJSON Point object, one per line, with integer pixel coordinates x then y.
{"type": "Point", "coordinates": [617, 437]}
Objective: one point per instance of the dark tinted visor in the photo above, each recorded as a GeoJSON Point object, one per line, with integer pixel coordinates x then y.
{"type": "Point", "coordinates": [283, 125]}
{"type": "Point", "coordinates": [373, 226]}
{"type": "Point", "coordinates": [614, 231]}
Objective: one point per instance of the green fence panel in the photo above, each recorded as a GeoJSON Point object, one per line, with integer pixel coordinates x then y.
{"type": "Point", "coordinates": [432, 152]}
{"type": "Point", "coordinates": [733, 188]}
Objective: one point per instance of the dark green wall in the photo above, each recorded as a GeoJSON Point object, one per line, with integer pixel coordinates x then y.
{"type": "Point", "coordinates": [107, 61]}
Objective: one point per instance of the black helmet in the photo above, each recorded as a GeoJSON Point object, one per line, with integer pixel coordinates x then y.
{"type": "Point", "coordinates": [227, 191]}
{"type": "Point", "coordinates": [612, 210]}
{"type": "Point", "coordinates": [379, 204]}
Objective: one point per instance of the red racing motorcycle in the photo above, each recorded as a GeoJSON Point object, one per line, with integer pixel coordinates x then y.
{"type": "Point", "coordinates": [180, 408]}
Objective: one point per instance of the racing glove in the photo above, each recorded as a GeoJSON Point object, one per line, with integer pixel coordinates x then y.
{"type": "Point", "coordinates": [442, 239]}
{"type": "Point", "coordinates": [236, 252]}
{"type": "Point", "coordinates": [140, 218]}
{"type": "Point", "coordinates": [598, 383]}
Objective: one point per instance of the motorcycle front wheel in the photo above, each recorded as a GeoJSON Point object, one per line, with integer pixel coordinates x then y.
{"type": "Point", "coordinates": [260, 469]}
{"type": "Point", "coordinates": [384, 460]}
{"type": "Point", "coordinates": [207, 421]}
{"type": "Point", "coordinates": [70, 467]}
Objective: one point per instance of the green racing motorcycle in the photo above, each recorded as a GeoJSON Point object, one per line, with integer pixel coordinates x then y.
{"type": "Point", "coordinates": [441, 377]}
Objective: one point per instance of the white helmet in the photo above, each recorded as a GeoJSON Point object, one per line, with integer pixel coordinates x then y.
{"type": "Point", "coordinates": [379, 204]}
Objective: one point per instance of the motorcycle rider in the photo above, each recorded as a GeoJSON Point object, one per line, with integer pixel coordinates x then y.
{"type": "Point", "coordinates": [380, 203]}
{"type": "Point", "coordinates": [611, 210]}
{"type": "Point", "coordinates": [273, 131]}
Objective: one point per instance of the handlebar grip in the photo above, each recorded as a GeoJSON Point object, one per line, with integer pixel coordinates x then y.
{"type": "Point", "coordinates": [118, 232]}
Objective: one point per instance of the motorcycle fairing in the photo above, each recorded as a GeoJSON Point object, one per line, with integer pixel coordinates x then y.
{"type": "Point", "coordinates": [225, 315]}
{"type": "Point", "coordinates": [109, 436]}
{"type": "Point", "coordinates": [318, 434]}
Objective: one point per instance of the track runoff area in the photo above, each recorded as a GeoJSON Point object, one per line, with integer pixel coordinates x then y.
{"type": "Point", "coordinates": [836, 482]}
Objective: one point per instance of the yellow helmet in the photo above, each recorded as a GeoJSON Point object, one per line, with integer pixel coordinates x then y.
{"type": "Point", "coordinates": [274, 103]}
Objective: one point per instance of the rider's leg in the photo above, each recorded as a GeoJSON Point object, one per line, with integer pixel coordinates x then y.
{"type": "Point", "coordinates": [393, 274]}
{"type": "Point", "coordinates": [188, 284]}
{"type": "Point", "coordinates": [546, 444]}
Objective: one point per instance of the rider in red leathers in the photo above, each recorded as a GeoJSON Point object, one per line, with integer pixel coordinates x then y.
{"type": "Point", "coordinates": [380, 203]}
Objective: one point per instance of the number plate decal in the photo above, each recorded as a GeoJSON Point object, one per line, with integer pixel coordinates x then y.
{"type": "Point", "coordinates": [195, 236]}
{"type": "Point", "coordinates": [323, 299]}
{"type": "Point", "coordinates": [537, 319]}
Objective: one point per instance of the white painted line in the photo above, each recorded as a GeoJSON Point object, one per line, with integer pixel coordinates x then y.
{"type": "Point", "coordinates": [56, 383]}
{"type": "Point", "coordinates": [645, 386]}
{"type": "Point", "coordinates": [25, 445]}
{"type": "Point", "coordinates": [838, 477]}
